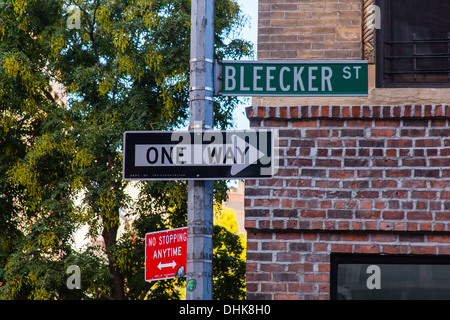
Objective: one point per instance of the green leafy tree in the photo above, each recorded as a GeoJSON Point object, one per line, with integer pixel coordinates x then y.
{"type": "Point", "coordinates": [125, 68]}
{"type": "Point", "coordinates": [229, 256]}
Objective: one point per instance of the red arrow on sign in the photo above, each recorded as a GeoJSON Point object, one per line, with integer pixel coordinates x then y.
{"type": "Point", "coordinates": [165, 254]}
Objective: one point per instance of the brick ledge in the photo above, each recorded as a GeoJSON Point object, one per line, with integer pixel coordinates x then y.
{"type": "Point", "coordinates": [437, 233]}
{"type": "Point", "coordinates": [348, 112]}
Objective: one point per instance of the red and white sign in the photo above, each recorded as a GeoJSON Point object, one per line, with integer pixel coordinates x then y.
{"type": "Point", "coordinates": [165, 254]}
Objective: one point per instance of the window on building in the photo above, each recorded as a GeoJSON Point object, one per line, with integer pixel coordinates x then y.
{"type": "Point", "coordinates": [385, 277]}
{"type": "Point", "coordinates": [413, 44]}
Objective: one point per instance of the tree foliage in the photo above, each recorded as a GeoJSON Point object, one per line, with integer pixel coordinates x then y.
{"type": "Point", "coordinates": [125, 68]}
{"type": "Point", "coordinates": [229, 251]}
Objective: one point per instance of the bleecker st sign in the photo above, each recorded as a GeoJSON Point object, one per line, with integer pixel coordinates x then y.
{"type": "Point", "coordinates": [199, 155]}
{"type": "Point", "coordinates": [284, 78]}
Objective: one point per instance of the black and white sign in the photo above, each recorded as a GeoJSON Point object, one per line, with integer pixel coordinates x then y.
{"type": "Point", "coordinates": [199, 155]}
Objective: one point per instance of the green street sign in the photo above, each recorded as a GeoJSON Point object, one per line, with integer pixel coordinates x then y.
{"type": "Point", "coordinates": [294, 78]}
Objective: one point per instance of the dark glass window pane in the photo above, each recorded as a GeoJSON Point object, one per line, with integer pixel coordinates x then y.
{"type": "Point", "coordinates": [417, 40]}
{"type": "Point", "coordinates": [399, 278]}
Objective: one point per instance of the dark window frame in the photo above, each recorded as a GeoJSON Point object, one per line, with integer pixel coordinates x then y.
{"type": "Point", "coordinates": [383, 36]}
{"type": "Point", "coordinates": [378, 259]}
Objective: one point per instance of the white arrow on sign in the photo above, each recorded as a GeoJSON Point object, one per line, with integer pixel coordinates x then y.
{"type": "Point", "coordinates": [251, 155]}
{"type": "Point", "coordinates": [166, 265]}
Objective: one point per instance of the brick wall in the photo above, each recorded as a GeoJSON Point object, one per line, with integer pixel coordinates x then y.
{"type": "Point", "coordinates": [364, 175]}
{"type": "Point", "coordinates": [296, 265]}
{"type": "Point", "coordinates": [309, 29]}
{"type": "Point", "coordinates": [353, 179]}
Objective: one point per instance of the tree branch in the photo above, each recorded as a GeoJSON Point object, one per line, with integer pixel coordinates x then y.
{"type": "Point", "coordinates": [148, 286]}
{"type": "Point", "coordinates": [91, 24]}
{"type": "Point", "coordinates": [106, 297]}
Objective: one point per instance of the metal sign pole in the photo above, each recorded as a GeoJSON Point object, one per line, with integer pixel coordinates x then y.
{"type": "Point", "coordinates": [200, 193]}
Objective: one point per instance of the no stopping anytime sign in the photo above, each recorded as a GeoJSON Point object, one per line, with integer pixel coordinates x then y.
{"type": "Point", "coordinates": [165, 254]}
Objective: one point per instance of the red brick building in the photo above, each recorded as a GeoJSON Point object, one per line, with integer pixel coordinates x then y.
{"type": "Point", "coordinates": [362, 181]}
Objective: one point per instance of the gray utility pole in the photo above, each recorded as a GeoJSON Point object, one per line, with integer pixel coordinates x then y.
{"type": "Point", "coordinates": [200, 193]}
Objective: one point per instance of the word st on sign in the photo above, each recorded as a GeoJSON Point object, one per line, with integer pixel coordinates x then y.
{"type": "Point", "coordinates": [200, 155]}
{"type": "Point", "coordinates": [165, 254]}
{"type": "Point", "coordinates": [283, 78]}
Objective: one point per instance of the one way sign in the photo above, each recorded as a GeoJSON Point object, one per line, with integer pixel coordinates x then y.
{"type": "Point", "coordinates": [199, 155]}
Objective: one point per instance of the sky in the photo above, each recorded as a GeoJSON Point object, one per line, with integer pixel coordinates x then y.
{"type": "Point", "coordinates": [250, 33]}
{"type": "Point", "coordinates": [250, 8]}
